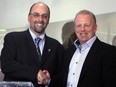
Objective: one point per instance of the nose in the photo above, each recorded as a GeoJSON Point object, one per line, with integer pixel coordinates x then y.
{"type": "Point", "coordinates": [40, 18]}
{"type": "Point", "coordinates": [83, 28]}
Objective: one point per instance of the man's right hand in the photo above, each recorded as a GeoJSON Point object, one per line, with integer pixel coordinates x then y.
{"type": "Point", "coordinates": [43, 77]}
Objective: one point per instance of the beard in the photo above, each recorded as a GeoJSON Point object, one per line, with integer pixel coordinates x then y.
{"type": "Point", "coordinates": [39, 27]}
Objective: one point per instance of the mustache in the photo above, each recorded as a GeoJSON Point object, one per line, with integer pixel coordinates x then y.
{"type": "Point", "coordinates": [83, 33]}
{"type": "Point", "coordinates": [40, 22]}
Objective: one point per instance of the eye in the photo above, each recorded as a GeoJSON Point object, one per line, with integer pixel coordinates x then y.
{"type": "Point", "coordinates": [78, 26]}
{"type": "Point", "coordinates": [36, 15]}
{"type": "Point", "coordinates": [45, 16]}
{"type": "Point", "coordinates": [87, 25]}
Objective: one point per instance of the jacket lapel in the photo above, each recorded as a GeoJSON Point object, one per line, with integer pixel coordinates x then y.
{"type": "Point", "coordinates": [31, 45]}
{"type": "Point", "coordinates": [90, 57]}
{"type": "Point", "coordinates": [47, 50]}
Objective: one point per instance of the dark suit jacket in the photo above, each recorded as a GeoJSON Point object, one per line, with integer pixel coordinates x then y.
{"type": "Point", "coordinates": [99, 69]}
{"type": "Point", "coordinates": [19, 58]}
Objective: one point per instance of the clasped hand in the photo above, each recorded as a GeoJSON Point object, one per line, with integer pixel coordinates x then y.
{"type": "Point", "coordinates": [43, 77]}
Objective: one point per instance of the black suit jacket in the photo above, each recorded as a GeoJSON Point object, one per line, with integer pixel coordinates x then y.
{"type": "Point", "coordinates": [99, 69]}
{"type": "Point", "coordinates": [19, 58]}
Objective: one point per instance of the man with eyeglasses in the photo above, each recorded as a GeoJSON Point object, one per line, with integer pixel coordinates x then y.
{"type": "Point", "coordinates": [19, 57]}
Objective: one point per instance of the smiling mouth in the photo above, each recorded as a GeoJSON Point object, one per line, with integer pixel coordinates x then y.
{"type": "Point", "coordinates": [39, 24]}
{"type": "Point", "coordinates": [83, 33]}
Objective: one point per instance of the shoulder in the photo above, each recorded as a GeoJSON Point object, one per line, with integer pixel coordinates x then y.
{"type": "Point", "coordinates": [52, 40]}
{"type": "Point", "coordinates": [15, 37]}
{"type": "Point", "coordinates": [103, 45]}
{"type": "Point", "coordinates": [12, 35]}
{"type": "Point", "coordinates": [107, 48]}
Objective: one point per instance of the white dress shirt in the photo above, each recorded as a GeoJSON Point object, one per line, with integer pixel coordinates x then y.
{"type": "Point", "coordinates": [77, 61]}
{"type": "Point", "coordinates": [42, 41]}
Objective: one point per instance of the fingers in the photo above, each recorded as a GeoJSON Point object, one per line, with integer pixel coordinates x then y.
{"type": "Point", "coordinates": [46, 73]}
{"type": "Point", "coordinates": [43, 77]}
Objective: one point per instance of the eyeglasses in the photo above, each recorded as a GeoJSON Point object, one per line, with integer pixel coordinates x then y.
{"type": "Point", "coordinates": [36, 15]}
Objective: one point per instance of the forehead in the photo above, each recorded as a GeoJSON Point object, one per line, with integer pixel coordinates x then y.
{"type": "Point", "coordinates": [83, 17]}
{"type": "Point", "coordinates": [40, 8]}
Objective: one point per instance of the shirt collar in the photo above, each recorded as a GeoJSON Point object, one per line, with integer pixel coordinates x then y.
{"type": "Point", "coordinates": [34, 36]}
{"type": "Point", "coordinates": [86, 44]}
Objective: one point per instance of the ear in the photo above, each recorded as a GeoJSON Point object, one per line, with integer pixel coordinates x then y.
{"type": "Point", "coordinates": [28, 18]}
{"type": "Point", "coordinates": [95, 28]}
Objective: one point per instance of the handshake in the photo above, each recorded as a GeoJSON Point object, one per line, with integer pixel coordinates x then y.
{"type": "Point", "coordinates": [43, 77]}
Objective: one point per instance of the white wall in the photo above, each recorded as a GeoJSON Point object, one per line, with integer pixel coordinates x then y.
{"type": "Point", "coordinates": [66, 9]}
{"type": "Point", "coordinates": [14, 12]}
